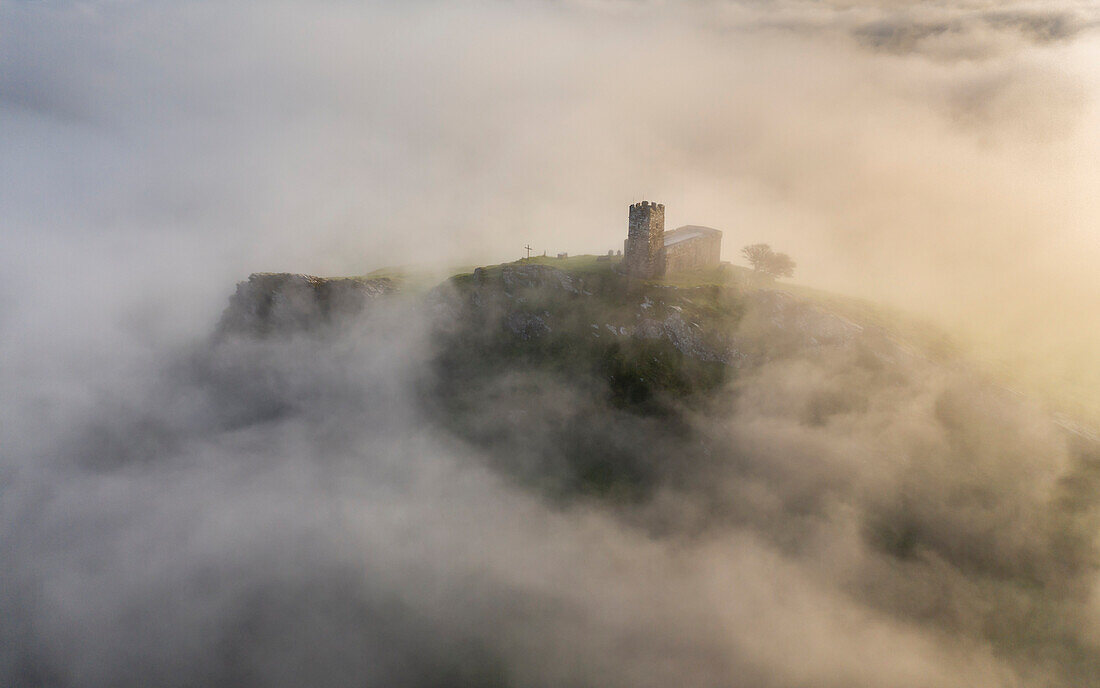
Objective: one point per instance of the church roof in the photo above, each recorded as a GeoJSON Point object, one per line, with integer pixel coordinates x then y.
{"type": "Point", "coordinates": [688, 232]}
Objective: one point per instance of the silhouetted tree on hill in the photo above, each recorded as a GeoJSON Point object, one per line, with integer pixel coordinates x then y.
{"type": "Point", "coordinates": [765, 261]}
{"type": "Point", "coordinates": [757, 255]}
{"type": "Point", "coordinates": [779, 265]}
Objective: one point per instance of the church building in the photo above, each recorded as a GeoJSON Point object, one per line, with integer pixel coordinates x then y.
{"type": "Point", "coordinates": [650, 252]}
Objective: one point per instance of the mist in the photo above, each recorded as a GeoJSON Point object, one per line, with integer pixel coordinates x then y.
{"type": "Point", "coordinates": [938, 157]}
{"type": "Point", "coordinates": [177, 510]}
{"type": "Point", "coordinates": [272, 512]}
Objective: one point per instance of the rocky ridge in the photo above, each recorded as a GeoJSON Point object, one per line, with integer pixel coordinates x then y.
{"type": "Point", "coordinates": [282, 303]}
{"type": "Point", "coordinates": [533, 303]}
{"type": "Point", "coordinates": [714, 324]}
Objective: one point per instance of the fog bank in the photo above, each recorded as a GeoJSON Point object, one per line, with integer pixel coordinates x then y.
{"type": "Point", "coordinates": [286, 512]}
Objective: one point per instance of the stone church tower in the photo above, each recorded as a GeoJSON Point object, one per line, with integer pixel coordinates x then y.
{"type": "Point", "coordinates": [644, 253]}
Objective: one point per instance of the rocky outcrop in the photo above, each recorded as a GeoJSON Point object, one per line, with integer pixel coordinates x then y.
{"type": "Point", "coordinates": [773, 324]}
{"type": "Point", "coordinates": [535, 276]}
{"type": "Point", "coordinates": [527, 325]}
{"type": "Point", "coordinates": [810, 325]}
{"type": "Point", "coordinates": [283, 303]}
{"type": "Point", "coordinates": [528, 301]}
{"type": "Point", "coordinates": [710, 324]}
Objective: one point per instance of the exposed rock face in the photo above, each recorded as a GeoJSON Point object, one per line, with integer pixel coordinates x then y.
{"type": "Point", "coordinates": [534, 276]}
{"type": "Point", "coordinates": [282, 303]}
{"type": "Point", "coordinates": [526, 325]}
{"type": "Point", "coordinates": [794, 324]}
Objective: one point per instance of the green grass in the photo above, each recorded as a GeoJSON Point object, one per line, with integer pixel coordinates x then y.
{"type": "Point", "coordinates": [578, 266]}
{"type": "Point", "coordinates": [586, 265]}
{"type": "Point", "coordinates": [725, 275]}
{"type": "Point", "coordinates": [414, 279]}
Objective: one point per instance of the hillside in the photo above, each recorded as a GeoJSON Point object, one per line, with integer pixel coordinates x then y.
{"type": "Point", "coordinates": [298, 302]}
{"type": "Point", "coordinates": [638, 349]}
{"type": "Point", "coordinates": [717, 439]}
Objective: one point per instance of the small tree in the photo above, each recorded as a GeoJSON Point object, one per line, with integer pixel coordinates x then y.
{"type": "Point", "coordinates": [779, 265]}
{"type": "Point", "coordinates": [765, 261]}
{"type": "Point", "coordinates": [757, 255]}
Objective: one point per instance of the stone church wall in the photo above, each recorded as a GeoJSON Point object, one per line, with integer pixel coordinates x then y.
{"type": "Point", "coordinates": [691, 254]}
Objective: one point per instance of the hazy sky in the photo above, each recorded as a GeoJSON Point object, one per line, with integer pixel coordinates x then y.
{"type": "Point", "coordinates": [941, 156]}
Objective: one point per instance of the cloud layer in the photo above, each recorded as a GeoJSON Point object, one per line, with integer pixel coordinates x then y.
{"type": "Point", "coordinates": [286, 511]}
{"type": "Point", "coordinates": [280, 513]}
